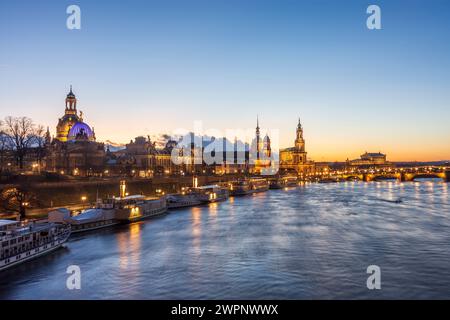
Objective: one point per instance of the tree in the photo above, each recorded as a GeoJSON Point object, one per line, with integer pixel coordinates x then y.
{"type": "Point", "coordinates": [39, 143]}
{"type": "Point", "coordinates": [17, 199]}
{"type": "Point", "coordinates": [21, 134]}
{"type": "Point", "coordinates": [3, 148]}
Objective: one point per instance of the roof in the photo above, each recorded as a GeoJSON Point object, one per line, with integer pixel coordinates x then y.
{"type": "Point", "coordinates": [132, 197]}
{"type": "Point", "coordinates": [374, 154]}
{"type": "Point", "coordinates": [80, 129]}
{"type": "Point", "coordinates": [7, 222]}
{"type": "Point", "coordinates": [208, 187]}
{"type": "Point", "coordinates": [89, 214]}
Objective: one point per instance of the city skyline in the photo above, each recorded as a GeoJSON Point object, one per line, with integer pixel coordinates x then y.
{"type": "Point", "coordinates": [355, 90]}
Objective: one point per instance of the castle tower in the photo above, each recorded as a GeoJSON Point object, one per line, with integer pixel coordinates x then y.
{"type": "Point", "coordinates": [299, 141]}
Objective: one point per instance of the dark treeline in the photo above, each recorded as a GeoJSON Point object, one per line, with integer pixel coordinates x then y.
{"type": "Point", "coordinates": [20, 138]}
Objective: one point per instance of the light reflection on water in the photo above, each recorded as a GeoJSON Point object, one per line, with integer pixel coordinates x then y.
{"type": "Point", "coordinates": [314, 241]}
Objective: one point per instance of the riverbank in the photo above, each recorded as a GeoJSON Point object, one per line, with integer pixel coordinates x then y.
{"type": "Point", "coordinates": [77, 194]}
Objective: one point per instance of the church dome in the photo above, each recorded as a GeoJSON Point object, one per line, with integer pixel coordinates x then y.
{"type": "Point", "coordinates": [81, 131]}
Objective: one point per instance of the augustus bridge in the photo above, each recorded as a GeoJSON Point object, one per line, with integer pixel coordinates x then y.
{"type": "Point", "coordinates": [400, 174]}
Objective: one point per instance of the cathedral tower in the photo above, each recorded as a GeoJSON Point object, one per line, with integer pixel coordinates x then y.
{"type": "Point", "coordinates": [299, 141]}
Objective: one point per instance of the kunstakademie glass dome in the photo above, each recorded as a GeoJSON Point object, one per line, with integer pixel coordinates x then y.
{"type": "Point", "coordinates": [81, 131]}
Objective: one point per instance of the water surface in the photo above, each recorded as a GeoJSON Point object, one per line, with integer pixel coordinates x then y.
{"type": "Point", "coordinates": [314, 241]}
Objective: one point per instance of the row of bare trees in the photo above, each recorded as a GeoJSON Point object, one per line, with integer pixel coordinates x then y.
{"type": "Point", "coordinates": [20, 140]}
{"type": "Point", "coordinates": [20, 137]}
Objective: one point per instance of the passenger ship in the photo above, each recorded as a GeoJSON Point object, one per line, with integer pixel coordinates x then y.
{"type": "Point", "coordinates": [182, 200]}
{"type": "Point", "coordinates": [91, 219]}
{"type": "Point", "coordinates": [137, 207]}
{"type": "Point", "coordinates": [111, 211]}
{"type": "Point", "coordinates": [283, 182]}
{"type": "Point", "coordinates": [210, 193]}
{"type": "Point", "coordinates": [248, 186]}
{"type": "Point", "coordinates": [21, 242]}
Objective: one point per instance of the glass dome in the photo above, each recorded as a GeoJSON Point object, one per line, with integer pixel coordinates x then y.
{"type": "Point", "coordinates": [81, 131]}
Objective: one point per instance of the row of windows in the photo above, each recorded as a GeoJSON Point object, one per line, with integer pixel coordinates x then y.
{"type": "Point", "coordinates": [14, 241]}
{"type": "Point", "coordinates": [18, 253]}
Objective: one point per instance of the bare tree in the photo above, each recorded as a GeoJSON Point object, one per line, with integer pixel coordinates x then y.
{"type": "Point", "coordinates": [21, 136]}
{"type": "Point", "coordinates": [3, 148]}
{"type": "Point", "coordinates": [18, 199]}
{"type": "Point", "coordinates": [39, 144]}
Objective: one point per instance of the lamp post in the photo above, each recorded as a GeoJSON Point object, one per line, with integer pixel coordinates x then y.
{"type": "Point", "coordinates": [83, 200]}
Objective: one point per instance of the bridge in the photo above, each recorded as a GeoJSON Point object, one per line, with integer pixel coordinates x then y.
{"type": "Point", "coordinates": [400, 174]}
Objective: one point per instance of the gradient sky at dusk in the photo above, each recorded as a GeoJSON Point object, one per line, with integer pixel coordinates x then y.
{"type": "Point", "coordinates": [146, 67]}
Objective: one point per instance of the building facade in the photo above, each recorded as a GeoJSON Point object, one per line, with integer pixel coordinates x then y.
{"type": "Point", "coordinates": [370, 160]}
{"type": "Point", "coordinates": [295, 159]}
{"type": "Point", "coordinates": [260, 153]}
{"type": "Point", "coordinates": [74, 150]}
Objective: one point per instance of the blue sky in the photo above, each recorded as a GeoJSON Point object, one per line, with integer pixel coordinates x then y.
{"type": "Point", "coordinates": [145, 67]}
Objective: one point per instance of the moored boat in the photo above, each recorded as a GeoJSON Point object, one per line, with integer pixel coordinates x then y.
{"type": "Point", "coordinates": [182, 200]}
{"type": "Point", "coordinates": [283, 182]}
{"type": "Point", "coordinates": [90, 219]}
{"type": "Point", "coordinates": [210, 193]}
{"type": "Point", "coordinates": [248, 186]}
{"type": "Point", "coordinates": [136, 207]}
{"type": "Point", "coordinates": [21, 242]}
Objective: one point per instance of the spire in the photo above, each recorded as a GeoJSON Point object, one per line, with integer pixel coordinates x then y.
{"type": "Point", "coordinates": [257, 122]}
{"type": "Point", "coordinates": [299, 123]}
{"type": "Point", "coordinates": [48, 137]}
{"type": "Point", "coordinates": [70, 94]}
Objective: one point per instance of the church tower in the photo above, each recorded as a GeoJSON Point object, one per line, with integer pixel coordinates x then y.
{"type": "Point", "coordinates": [258, 139]}
{"type": "Point", "coordinates": [71, 103]}
{"type": "Point", "coordinates": [267, 148]}
{"type": "Point", "coordinates": [299, 141]}
{"type": "Point", "coordinates": [69, 119]}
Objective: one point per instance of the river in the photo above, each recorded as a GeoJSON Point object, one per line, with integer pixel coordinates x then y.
{"type": "Point", "coordinates": [314, 241]}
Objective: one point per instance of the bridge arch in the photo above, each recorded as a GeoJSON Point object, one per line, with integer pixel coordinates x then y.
{"type": "Point", "coordinates": [428, 175]}
{"type": "Point", "coordinates": [353, 177]}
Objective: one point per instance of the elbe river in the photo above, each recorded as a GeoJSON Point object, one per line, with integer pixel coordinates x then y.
{"type": "Point", "coordinates": [314, 241]}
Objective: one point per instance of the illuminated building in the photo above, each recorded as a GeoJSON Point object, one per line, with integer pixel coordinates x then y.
{"type": "Point", "coordinates": [295, 159]}
{"type": "Point", "coordinates": [142, 158]}
{"type": "Point", "coordinates": [74, 150]}
{"type": "Point", "coordinates": [260, 148]}
{"type": "Point", "coordinates": [369, 160]}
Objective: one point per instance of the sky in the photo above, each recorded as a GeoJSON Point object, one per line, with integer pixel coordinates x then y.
{"type": "Point", "coordinates": [150, 67]}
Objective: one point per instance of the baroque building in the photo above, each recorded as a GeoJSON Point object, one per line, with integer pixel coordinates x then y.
{"type": "Point", "coordinates": [369, 160]}
{"type": "Point", "coordinates": [295, 159]}
{"type": "Point", "coordinates": [74, 150]}
{"type": "Point", "coordinates": [142, 158]}
{"type": "Point", "coordinates": [260, 153]}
